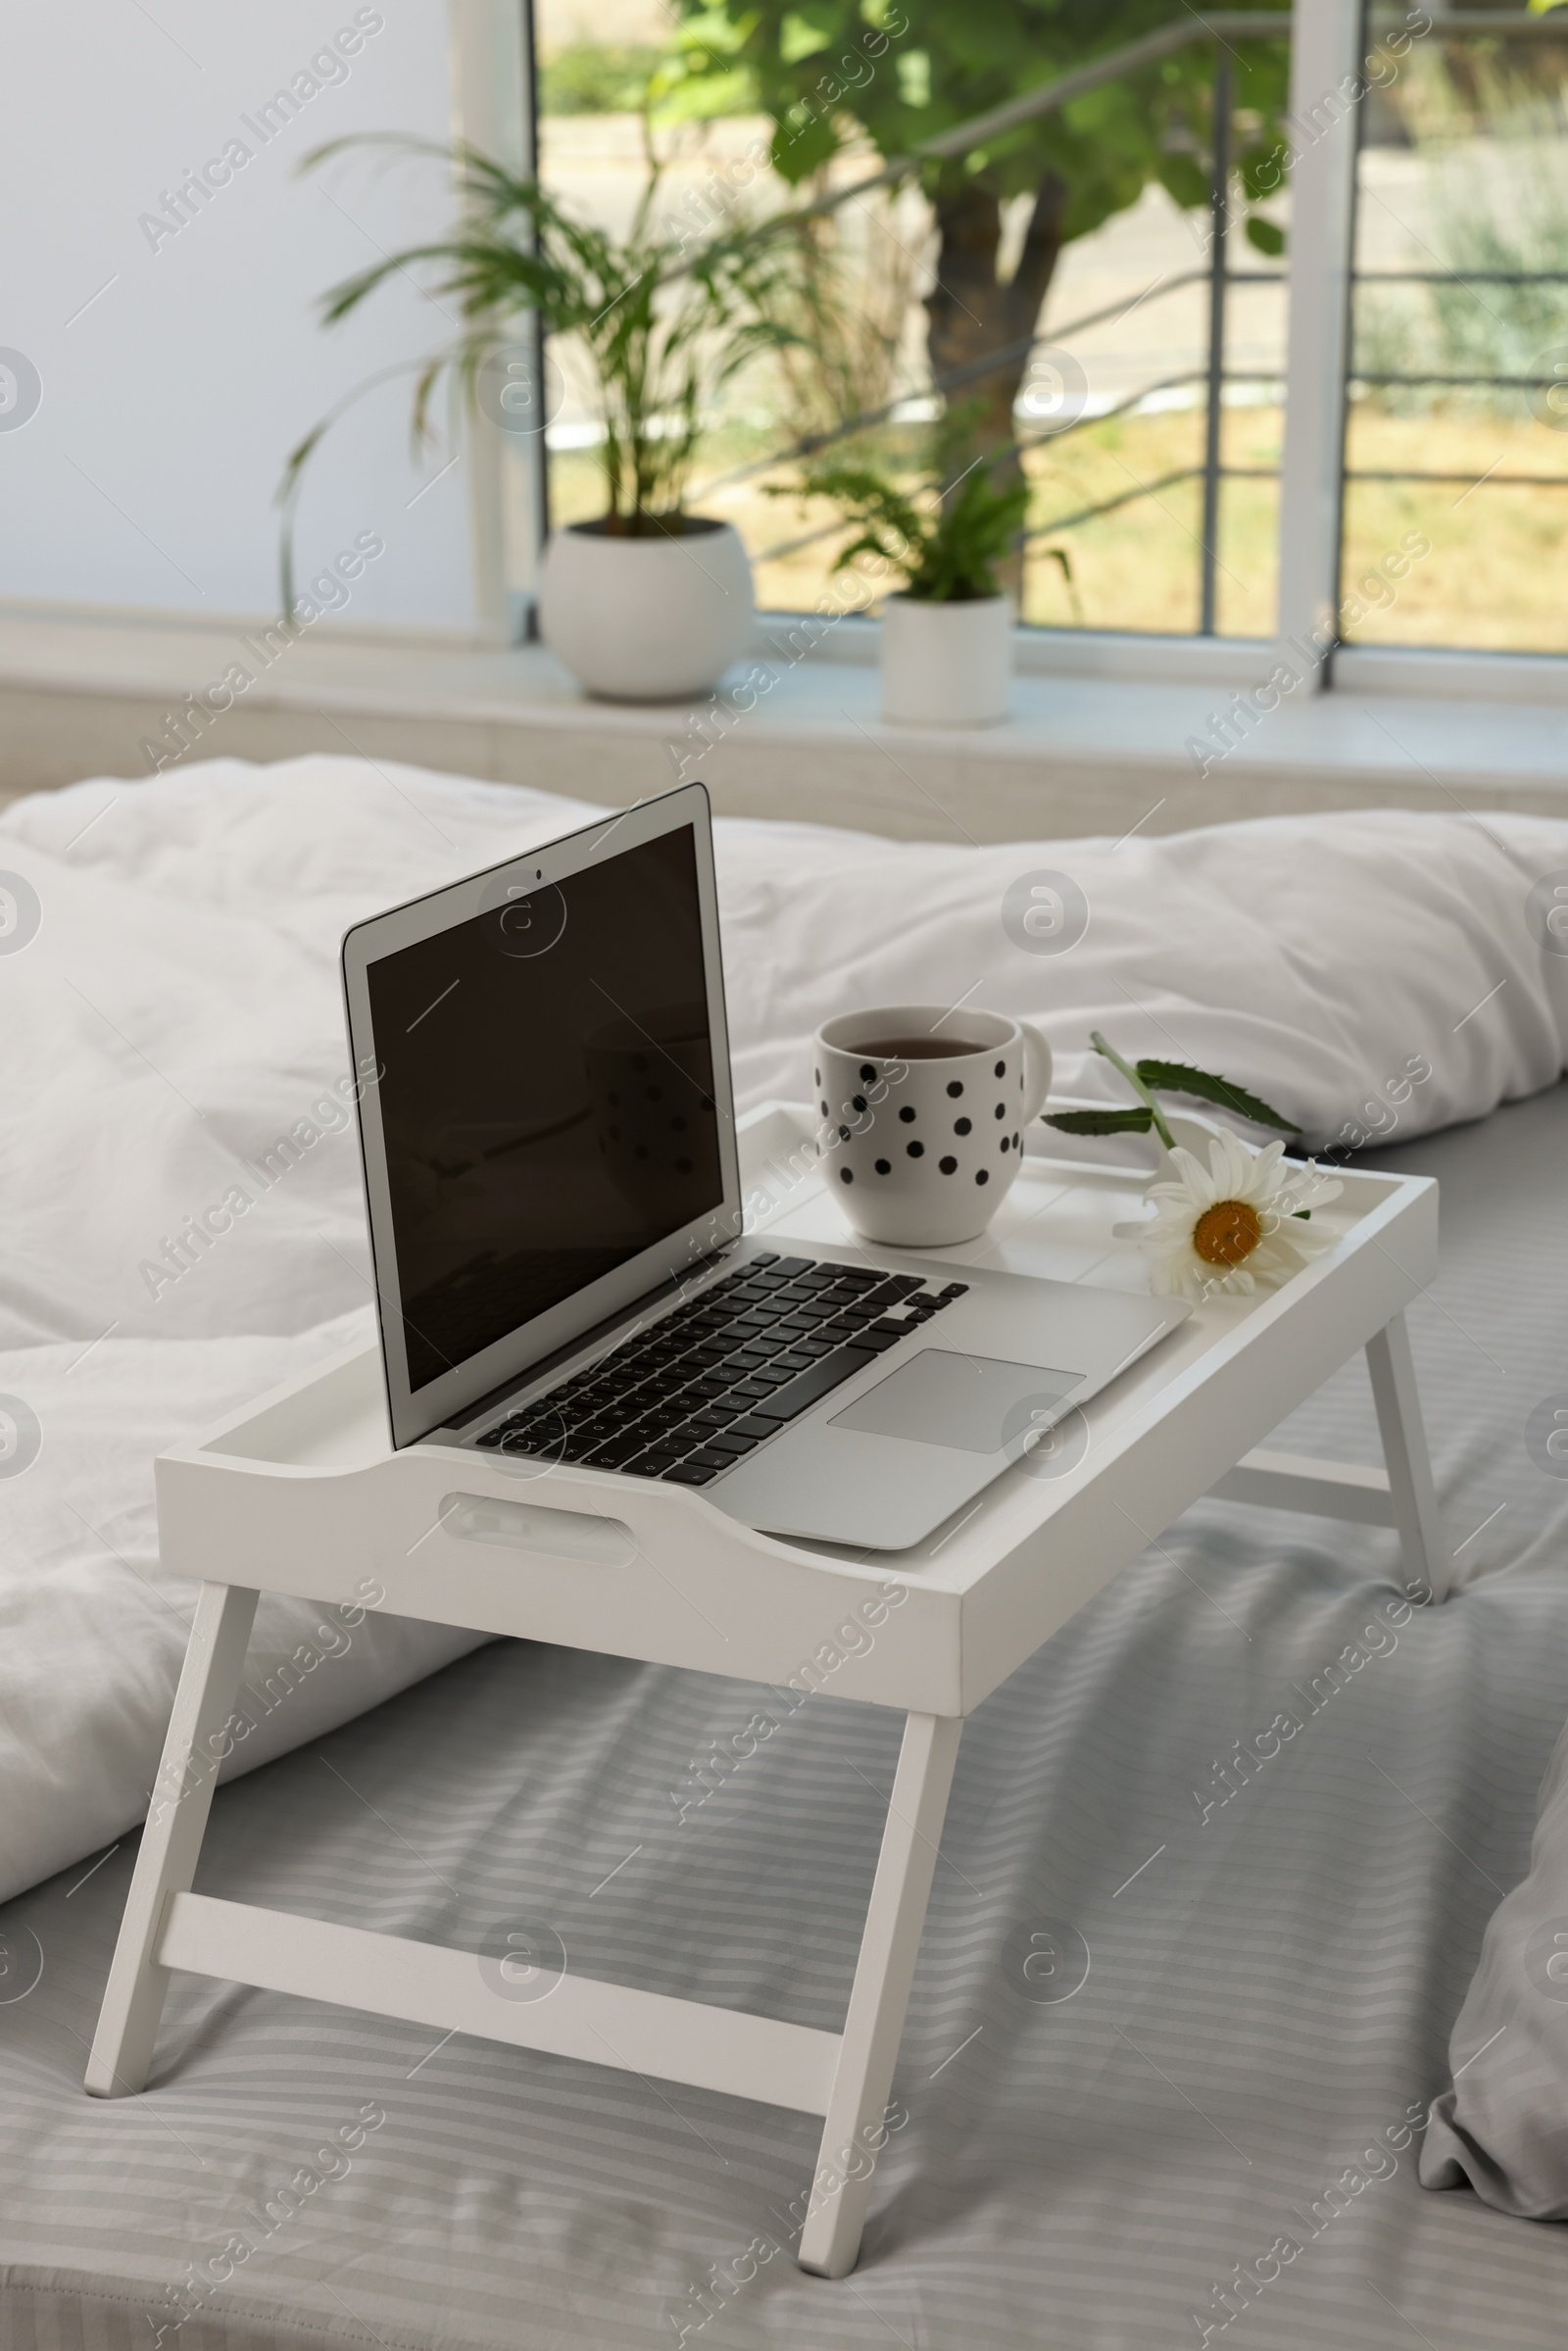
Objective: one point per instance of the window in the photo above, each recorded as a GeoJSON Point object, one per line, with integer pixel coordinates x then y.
{"type": "Point", "coordinates": [1456, 437]}
{"type": "Point", "coordinates": [1136, 375]}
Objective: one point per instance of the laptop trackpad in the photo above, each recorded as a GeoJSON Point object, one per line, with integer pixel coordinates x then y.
{"type": "Point", "coordinates": [971, 1402]}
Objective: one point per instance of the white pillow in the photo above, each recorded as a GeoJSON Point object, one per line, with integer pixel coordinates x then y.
{"type": "Point", "coordinates": [1373, 973]}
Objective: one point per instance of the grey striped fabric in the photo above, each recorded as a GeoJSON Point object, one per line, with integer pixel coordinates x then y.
{"type": "Point", "coordinates": [1208, 2139]}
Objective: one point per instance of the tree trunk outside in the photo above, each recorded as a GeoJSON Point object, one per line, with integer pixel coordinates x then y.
{"type": "Point", "coordinates": [979, 324]}
{"type": "Point", "coordinates": [973, 313]}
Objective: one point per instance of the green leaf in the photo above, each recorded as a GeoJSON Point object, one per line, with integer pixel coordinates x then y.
{"type": "Point", "coordinates": [1102, 1122]}
{"type": "Point", "coordinates": [799, 38]}
{"type": "Point", "coordinates": [1177, 1077]}
{"type": "Point", "coordinates": [1266, 236]}
{"type": "Point", "coordinates": [946, 538]}
{"type": "Point", "coordinates": [1059, 556]}
{"type": "Point", "coordinates": [1185, 180]}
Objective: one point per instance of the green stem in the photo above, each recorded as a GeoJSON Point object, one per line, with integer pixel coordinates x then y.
{"type": "Point", "coordinates": [1137, 1085]}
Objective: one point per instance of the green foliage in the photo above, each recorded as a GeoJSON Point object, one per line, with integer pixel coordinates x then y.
{"type": "Point", "coordinates": [1063, 562]}
{"type": "Point", "coordinates": [1150, 1077]}
{"type": "Point", "coordinates": [849, 323]}
{"type": "Point", "coordinates": [594, 77]}
{"type": "Point", "coordinates": [1102, 1122]}
{"type": "Point", "coordinates": [669, 86]}
{"type": "Point", "coordinates": [946, 541]}
{"type": "Point", "coordinates": [904, 71]}
{"type": "Point", "coordinates": [1178, 1077]}
{"type": "Point", "coordinates": [663, 321]}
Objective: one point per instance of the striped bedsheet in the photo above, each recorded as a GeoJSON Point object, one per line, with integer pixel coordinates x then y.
{"type": "Point", "coordinates": [1253, 1810]}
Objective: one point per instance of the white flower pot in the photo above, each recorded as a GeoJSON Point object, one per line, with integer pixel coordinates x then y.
{"type": "Point", "coordinates": [945, 665]}
{"type": "Point", "coordinates": [653, 619]}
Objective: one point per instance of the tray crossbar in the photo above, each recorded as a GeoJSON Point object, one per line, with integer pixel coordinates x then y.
{"type": "Point", "coordinates": [1323, 1489]}
{"type": "Point", "coordinates": [650, 2032]}
{"type": "Point", "coordinates": [845, 2078]}
{"type": "Point", "coordinates": [1401, 1495]}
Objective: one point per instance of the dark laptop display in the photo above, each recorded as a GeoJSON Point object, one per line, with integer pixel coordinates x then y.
{"type": "Point", "coordinates": [547, 1095]}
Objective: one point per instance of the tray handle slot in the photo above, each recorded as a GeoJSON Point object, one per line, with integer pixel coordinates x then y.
{"type": "Point", "coordinates": [529, 1527]}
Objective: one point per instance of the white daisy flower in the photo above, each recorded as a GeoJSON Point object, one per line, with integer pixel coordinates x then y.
{"type": "Point", "coordinates": [1234, 1226]}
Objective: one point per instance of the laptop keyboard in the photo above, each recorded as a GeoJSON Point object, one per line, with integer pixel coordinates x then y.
{"type": "Point", "coordinates": [702, 1387]}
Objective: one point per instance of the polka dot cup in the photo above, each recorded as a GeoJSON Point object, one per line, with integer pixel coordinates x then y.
{"type": "Point", "coordinates": [924, 1111]}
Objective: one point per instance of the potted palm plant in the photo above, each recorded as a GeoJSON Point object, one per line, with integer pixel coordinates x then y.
{"type": "Point", "coordinates": [946, 636]}
{"type": "Point", "coordinates": [647, 602]}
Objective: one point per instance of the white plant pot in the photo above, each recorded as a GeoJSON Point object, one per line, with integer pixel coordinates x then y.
{"type": "Point", "coordinates": [653, 619]}
{"type": "Point", "coordinates": [945, 665]}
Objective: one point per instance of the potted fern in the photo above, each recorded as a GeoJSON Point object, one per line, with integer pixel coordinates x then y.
{"type": "Point", "coordinates": [647, 602]}
{"type": "Point", "coordinates": [947, 635]}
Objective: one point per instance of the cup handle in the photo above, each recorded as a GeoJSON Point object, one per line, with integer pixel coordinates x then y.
{"type": "Point", "coordinates": [1036, 1071]}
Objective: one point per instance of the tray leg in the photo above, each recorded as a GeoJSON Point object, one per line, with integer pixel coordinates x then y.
{"type": "Point", "coordinates": [830, 2241]}
{"type": "Point", "coordinates": [1404, 1450]}
{"type": "Point", "coordinates": [172, 1841]}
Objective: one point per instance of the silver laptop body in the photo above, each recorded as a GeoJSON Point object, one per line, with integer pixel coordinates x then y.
{"type": "Point", "coordinates": [552, 1189]}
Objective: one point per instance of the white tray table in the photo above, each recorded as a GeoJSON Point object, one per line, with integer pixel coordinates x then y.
{"type": "Point", "coordinates": [300, 1494]}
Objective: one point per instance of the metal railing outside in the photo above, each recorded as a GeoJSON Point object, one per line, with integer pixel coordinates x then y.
{"type": "Point", "coordinates": [1464, 25]}
{"type": "Point", "coordinates": [1220, 29]}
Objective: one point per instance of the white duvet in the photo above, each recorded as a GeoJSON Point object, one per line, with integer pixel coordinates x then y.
{"type": "Point", "coordinates": [169, 1007]}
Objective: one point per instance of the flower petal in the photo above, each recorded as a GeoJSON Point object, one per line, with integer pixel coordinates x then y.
{"type": "Point", "coordinates": [1195, 1182]}
{"type": "Point", "coordinates": [1224, 1174]}
{"type": "Point", "coordinates": [1264, 1165]}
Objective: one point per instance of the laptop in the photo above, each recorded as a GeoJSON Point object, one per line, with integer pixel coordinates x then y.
{"type": "Point", "coordinates": [562, 1268]}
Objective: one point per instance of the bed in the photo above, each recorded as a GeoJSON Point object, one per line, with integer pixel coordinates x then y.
{"type": "Point", "coordinates": [1216, 2134]}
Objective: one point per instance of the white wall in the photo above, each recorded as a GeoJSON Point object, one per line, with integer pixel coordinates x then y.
{"type": "Point", "coordinates": [178, 370]}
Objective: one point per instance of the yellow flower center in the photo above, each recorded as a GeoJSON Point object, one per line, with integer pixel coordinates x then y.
{"type": "Point", "coordinates": [1227, 1233]}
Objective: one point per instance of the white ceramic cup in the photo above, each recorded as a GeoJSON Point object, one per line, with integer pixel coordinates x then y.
{"type": "Point", "coordinates": [923, 1113]}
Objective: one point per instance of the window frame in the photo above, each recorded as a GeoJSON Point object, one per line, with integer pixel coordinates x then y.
{"type": "Point", "coordinates": [495, 82]}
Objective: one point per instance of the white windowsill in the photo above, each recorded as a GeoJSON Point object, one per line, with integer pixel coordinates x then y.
{"type": "Point", "coordinates": [1079, 752]}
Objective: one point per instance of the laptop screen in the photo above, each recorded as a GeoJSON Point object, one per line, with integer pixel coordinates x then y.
{"type": "Point", "coordinates": [546, 1097]}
